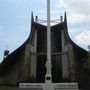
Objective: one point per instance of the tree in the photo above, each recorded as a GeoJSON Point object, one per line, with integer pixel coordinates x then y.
{"type": "Point", "coordinates": [87, 60]}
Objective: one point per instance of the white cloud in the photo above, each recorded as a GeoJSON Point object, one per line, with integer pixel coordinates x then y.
{"type": "Point", "coordinates": [77, 10]}
{"type": "Point", "coordinates": [77, 18]}
{"type": "Point", "coordinates": [80, 6]}
{"type": "Point", "coordinates": [83, 38]}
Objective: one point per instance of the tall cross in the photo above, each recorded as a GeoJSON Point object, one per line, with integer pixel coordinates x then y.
{"type": "Point", "coordinates": [48, 62]}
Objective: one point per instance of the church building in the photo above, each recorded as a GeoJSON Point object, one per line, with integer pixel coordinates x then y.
{"type": "Point", "coordinates": [28, 62]}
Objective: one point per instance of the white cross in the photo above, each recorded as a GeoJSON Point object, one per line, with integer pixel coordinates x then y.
{"type": "Point", "coordinates": [48, 62]}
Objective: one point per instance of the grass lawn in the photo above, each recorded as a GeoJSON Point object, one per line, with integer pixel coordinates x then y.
{"type": "Point", "coordinates": [9, 88]}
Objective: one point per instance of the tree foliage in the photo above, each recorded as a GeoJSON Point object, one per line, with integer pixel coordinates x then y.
{"type": "Point", "coordinates": [87, 62]}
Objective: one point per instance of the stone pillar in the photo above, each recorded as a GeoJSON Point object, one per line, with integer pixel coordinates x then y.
{"type": "Point", "coordinates": [33, 64]}
{"type": "Point", "coordinates": [34, 56]}
{"type": "Point", "coordinates": [71, 63]}
{"type": "Point", "coordinates": [30, 62]}
{"type": "Point", "coordinates": [27, 62]}
{"type": "Point", "coordinates": [65, 73]}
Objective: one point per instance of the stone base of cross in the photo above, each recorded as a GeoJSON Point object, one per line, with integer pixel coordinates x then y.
{"type": "Point", "coordinates": [48, 86]}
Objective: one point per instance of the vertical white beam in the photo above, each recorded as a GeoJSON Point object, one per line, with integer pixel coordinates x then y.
{"type": "Point", "coordinates": [48, 33]}
{"type": "Point", "coordinates": [48, 63]}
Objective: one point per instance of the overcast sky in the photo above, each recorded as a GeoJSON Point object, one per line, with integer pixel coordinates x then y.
{"type": "Point", "coordinates": [15, 19]}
